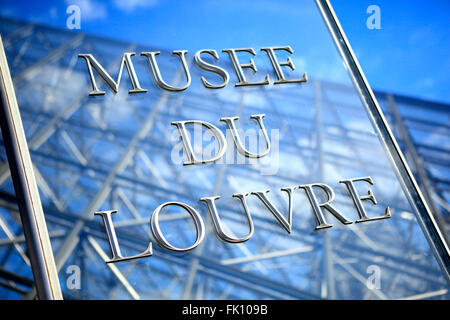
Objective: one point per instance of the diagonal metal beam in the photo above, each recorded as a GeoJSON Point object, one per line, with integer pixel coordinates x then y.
{"type": "Point", "coordinates": [113, 268]}
{"type": "Point", "coordinates": [11, 237]}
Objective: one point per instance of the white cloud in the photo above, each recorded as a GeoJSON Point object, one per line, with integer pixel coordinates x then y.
{"type": "Point", "coordinates": [131, 5]}
{"type": "Point", "coordinates": [89, 9]}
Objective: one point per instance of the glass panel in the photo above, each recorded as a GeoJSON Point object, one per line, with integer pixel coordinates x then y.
{"type": "Point", "coordinates": [122, 151]}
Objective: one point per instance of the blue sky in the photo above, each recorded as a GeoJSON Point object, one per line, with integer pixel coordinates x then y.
{"type": "Point", "coordinates": [408, 55]}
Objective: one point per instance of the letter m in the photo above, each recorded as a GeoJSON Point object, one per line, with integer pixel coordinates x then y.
{"type": "Point", "coordinates": [91, 62]}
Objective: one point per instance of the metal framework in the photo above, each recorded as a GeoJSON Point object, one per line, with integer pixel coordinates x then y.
{"type": "Point", "coordinates": [114, 152]}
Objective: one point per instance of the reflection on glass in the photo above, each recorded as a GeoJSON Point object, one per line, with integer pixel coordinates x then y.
{"type": "Point", "coordinates": [120, 151]}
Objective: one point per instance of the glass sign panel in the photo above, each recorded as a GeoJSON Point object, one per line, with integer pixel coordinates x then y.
{"type": "Point", "coordinates": [228, 155]}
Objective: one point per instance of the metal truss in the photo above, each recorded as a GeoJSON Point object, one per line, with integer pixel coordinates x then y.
{"type": "Point", "coordinates": [114, 152]}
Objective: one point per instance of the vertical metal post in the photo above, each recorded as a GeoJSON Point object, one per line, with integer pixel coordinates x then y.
{"type": "Point", "coordinates": [327, 244]}
{"type": "Point", "coordinates": [27, 194]}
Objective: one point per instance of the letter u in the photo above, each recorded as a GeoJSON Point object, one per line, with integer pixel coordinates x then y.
{"type": "Point", "coordinates": [210, 203]}
{"type": "Point", "coordinates": [230, 121]}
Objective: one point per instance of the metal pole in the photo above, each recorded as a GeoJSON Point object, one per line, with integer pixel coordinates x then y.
{"type": "Point", "coordinates": [424, 216]}
{"type": "Point", "coordinates": [27, 194]}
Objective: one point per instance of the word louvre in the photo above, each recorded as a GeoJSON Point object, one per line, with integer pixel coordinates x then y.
{"type": "Point", "coordinates": [286, 224]}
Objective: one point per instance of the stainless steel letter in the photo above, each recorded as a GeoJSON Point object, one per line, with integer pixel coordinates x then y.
{"type": "Point", "coordinates": [212, 68]}
{"type": "Point", "coordinates": [277, 65]}
{"type": "Point", "coordinates": [114, 243]}
{"type": "Point", "coordinates": [192, 159]}
{"type": "Point", "coordinates": [210, 203]}
{"type": "Point", "coordinates": [151, 56]}
{"type": "Point", "coordinates": [349, 183]}
{"type": "Point", "coordinates": [287, 225]}
{"type": "Point", "coordinates": [318, 215]}
{"type": "Point", "coordinates": [238, 67]}
{"type": "Point", "coordinates": [114, 85]}
{"type": "Point", "coordinates": [237, 140]}
{"type": "Point", "coordinates": [156, 231]}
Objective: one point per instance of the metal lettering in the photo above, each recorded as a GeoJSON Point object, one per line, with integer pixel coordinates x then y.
{"type": "Point", "coordinates": [238, 67]}
{"type": "Point", "coordinates": [349, 183]}
{"type": "Point", "coordinates": [237, 140]}
{"type": "Point", "coordinates": [277, 65]}
{"type": "Point", "coordinates": [151, 56]}
{"type": "Point", "coordinates": [212, 68]}
{"type": "Point", "coordinates": [187, 146]}
{"type": "Point", "coordinates": [114, 85]}
{"type": "Point", "coordinates": [159, 237]}
{"type": "Point", "coordinates": [114, 243]}
{"type": "Point", "coordinates": [210, 203]}
{"type": "Point", "coordinates": [318, 214]}
{"type": "Point", "coordinates": [286, 224]}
